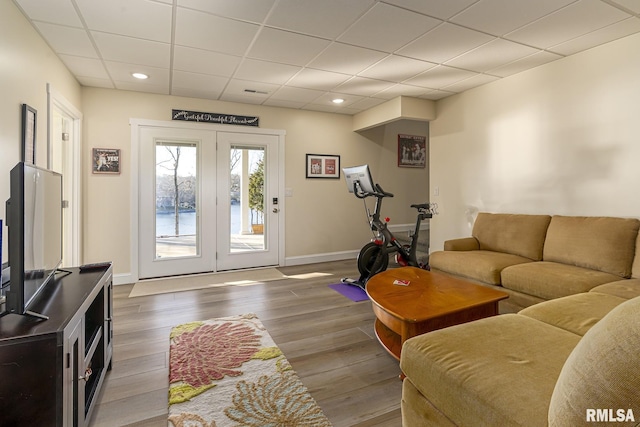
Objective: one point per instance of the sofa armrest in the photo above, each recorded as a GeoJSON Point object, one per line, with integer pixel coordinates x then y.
{"type": "Point", "coordinates": [463, 244]}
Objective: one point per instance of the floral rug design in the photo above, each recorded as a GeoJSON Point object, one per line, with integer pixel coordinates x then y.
{"type": "Point", "coordinates": [229, 372]}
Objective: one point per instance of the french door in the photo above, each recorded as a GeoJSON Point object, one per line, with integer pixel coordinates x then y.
{"type": "Point", "coordinates": [248, 204]}
{"type": "Point", "coordinates": [208, 200]}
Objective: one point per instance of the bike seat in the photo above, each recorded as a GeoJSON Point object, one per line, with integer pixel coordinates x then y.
{"type": "Point", "coordinates": [421, 206]}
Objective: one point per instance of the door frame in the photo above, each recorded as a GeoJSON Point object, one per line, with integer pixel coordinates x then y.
{"type": "Point", "coordinates": [137, 124]}
{"type": "Point", "coordinates": [73, 255]}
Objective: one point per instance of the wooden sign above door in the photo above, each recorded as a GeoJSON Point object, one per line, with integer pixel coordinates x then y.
{"type": "Point", "coordinates": [225, 119]}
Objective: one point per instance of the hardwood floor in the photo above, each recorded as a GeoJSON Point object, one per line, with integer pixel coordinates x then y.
{"type": "Point", "coordinates": [328, 339]}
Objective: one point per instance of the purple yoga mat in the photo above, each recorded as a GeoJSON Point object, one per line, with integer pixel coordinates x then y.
{"type": "Point", "coordinates": [354, 293]}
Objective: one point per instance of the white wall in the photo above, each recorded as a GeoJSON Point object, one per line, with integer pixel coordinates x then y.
{"type": "Point", "coordinates": [563, 138]}
{"type": "Point", "coordinates": [27, 64]}
{"type": "Point", "coordinates": [322, 219]}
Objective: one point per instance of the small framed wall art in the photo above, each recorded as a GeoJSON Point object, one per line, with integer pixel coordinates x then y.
{"type": "Point", "coordinates": [412, 151]}
{"type": "Point", "coordinates": [106, 160]}
{"type": "Point", "coordinates": [29, 122]}
{"type": "Point", "coordinates": [323, 166]}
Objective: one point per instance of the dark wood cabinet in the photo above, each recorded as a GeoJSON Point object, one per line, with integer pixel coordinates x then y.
{"type": "Point", "coordinates": [51, 370]}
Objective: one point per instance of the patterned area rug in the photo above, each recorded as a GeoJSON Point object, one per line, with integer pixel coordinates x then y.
{"type": "Point", "coordinates": [229, 372]}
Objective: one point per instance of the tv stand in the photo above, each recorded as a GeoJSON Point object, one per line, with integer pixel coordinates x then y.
{"type": "Point", "coordinates": [51, 372]}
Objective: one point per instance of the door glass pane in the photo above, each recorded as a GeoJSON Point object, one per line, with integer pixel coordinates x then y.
{"type": "Point", "coordinates": [176, 200]}
{"type": "Point", "coordinates": [247, 227]}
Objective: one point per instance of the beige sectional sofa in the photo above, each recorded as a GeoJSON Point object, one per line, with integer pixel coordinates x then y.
{"type": "Point", "coordinates": [570, 358]}
{"type": "Point", "coordinates": [535, 258]}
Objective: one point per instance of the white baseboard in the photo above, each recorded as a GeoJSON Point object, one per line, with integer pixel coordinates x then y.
{"type": "Point", "coordinates": [316, 258]}
{"type": "Point", "coordinates": [123, 279]}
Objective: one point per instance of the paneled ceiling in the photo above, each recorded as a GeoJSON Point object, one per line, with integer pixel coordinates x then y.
{"type": "Point", "coordinates": [305, 53]}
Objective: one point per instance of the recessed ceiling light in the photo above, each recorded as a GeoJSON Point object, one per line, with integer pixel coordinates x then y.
{"type": "Point", "coordinates": [140, 76]}
{"type": "Point", "coordinates": [338, 101]}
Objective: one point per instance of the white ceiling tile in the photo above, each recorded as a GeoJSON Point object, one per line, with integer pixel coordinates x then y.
{"type": "Point", "coordinates": [444, 43]}
{"type": "Point", "coordinates": [204, 61]}
{"type": "Point", "coordinates": [396, 68]}
{"type": "Point", "coordinates": [136, 18]}
{"type": "Point", "coordinates": [378, 28]}
{"type": "Point", "coordinates": [499, 17]}
{"type": "Point", "coordinates": [367, 103]}
{"type": "Point", "coordinates": [85, 67]}
{"type": "Point", "coordinates": [267, 72]}
{"type": "Point", "coordinates": [343, 58]}
{"type": "Point", "coordinates": [438, 9]}
{"type": "Point", "coordinates": [54, 11]}
{"type": "Point", "coordinates": [194, 93]}
{"type": "Point", "coordinates": [135, 51]}
{"type": "Point", "coordinates": [67, 40]}
{"type": "Point", "coordinates": [95, 82]}
{"type": "Point", "coordinates": [524, 64]}
{"type": "Point", "coordinates": [242, 99]}
{"type": "Point", "coordinates": [604, 35]}
{"type": "Point", "coordinates": [491, 55]}
{"type": "Point", "coordinates": [363, 86]}
{"type": "Point", "coordinates": [261, 90]}
{"type": "Point", "coordinates": [401, 89]}
{"type": "Point", "coordinates": [434, 95]}
{"type": "Point", "coordinates": [327, 108]}
{"type": "Point", "coordinates": [121, 73]}
{"type": "Point", "coordinates": [632, 5]}
{"type": "Point", "coordinates": [148, 88]}
{"type": "Point", "coordinates": [286, 47]}
{"type": "Point", "coordinates": [328, 97]}
{"type": "Point", "coordinates": [326, 18]}
{"type": "Point", "coordinates": [317, 79]}
{"type": "Point", "coordinates": [439, 77]}
{"type": "Point", "coordinates": [208, 83]}
{"type": "Point", "coordinates": [204, 31]}
{"type": "Point", "coordinates": [246, 10]}
{"type": "Point", "coordinates": [470, 83]}
{"type": "Point", "coordinates": [288, 93]}
{"type": "Point", "coordinates": [570, 22]}
{"type": "Point", "coordinates": [284, 104]}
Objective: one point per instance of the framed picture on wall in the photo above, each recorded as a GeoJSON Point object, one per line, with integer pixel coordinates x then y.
{"type": "Point", "coordinates": [29, 121]}
{"type": "Point", "coordinates": [106, 160]}
{"type": "Point", "coordinates": [323, 166]}
{"type": "Point", "coordinates": [412, 151]}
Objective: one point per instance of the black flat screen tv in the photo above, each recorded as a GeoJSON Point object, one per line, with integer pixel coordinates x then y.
{"type": "Point", "coordinates": [34, 220]}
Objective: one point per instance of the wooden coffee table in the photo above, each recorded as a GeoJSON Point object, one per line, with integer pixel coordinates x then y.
{"type": "Point", "coordinates": [430, 301]}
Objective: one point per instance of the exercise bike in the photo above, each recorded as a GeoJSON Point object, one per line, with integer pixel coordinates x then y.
{"type": "Point", "coordinates": [374, 256]}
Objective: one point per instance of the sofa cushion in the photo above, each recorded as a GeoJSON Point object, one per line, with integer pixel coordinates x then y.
{"type": "Point", "coordinates": [628, 289]}
{"type": "Point", "coordinates": [521, 235]}
{"type": "Point", "coordinates": [478, 372]}
{"type": "Point", "coordinates": [635, 267]}
{"type": "Point", "coordinates": [599, 243]}
{"type": "Point", "coordinates": [418, 411]}
{"type": "Point", "coordinates": [575, 313]}
{"type": "Point", "coordinates": [602, 371]}
{"type": "Point", "coordinates": [483, 266]}
{"type": "Point", "coordinates": [549, 280]}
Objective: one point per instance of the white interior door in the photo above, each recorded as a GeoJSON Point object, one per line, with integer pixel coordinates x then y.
{"type": "Point", "coordinates": [248, 211]}
{"type": "Point", "coordinates": [63, 156]}
{"type": "Point", "coordinates": [176, 201]}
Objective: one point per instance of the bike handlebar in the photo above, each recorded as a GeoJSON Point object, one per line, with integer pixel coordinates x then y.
{"type": "Point", "coordinates": [379, 193]}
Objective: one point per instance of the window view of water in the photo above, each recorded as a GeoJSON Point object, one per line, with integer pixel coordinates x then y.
{"type": "Point", "coordinates": [165, 222]}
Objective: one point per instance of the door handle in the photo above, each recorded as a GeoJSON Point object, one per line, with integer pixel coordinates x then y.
{"type": "Point", "coordinates": [276, 210]}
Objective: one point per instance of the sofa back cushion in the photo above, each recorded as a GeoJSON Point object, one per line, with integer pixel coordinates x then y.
{"type": "Point", "coordinates": [635, 267]}
{"type": "Point", "coordinates": [515, 234]}
{"type": "Point", "coordinates": [599, 243]}
{"type": "Point", "coordinates": [601, 373]}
